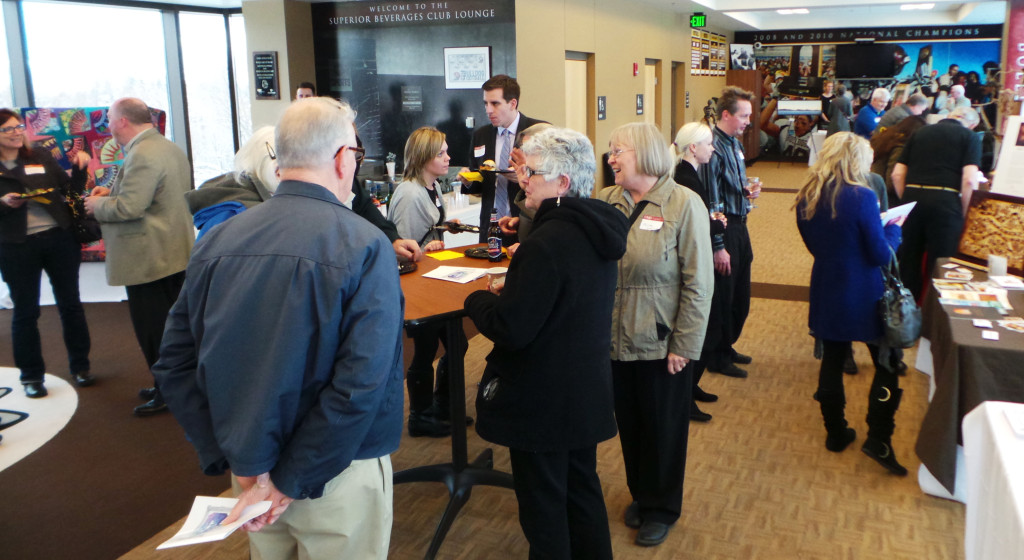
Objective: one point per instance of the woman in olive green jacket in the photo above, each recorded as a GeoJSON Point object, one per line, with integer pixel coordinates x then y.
{"type": "Point", "coordinates": [660, 316]}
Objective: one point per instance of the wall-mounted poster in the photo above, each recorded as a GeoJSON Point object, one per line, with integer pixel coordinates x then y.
{"type": "Point", "coordinates": [742, 57]}
{"type": "Point", "coordinates": [705, 53]}
{"type": "Point", "coordinates": [466, 67]}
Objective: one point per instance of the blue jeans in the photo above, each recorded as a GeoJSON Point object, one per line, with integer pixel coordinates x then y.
{"type": "Point", "coordinates": [21, 265]}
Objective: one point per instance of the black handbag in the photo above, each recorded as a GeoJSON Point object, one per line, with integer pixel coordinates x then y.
{"type": "Point", "coordinates": [901, 317]}
{"type": "Point", "coordinates": [84, 227]}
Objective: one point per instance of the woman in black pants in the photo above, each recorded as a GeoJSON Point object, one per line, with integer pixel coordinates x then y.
{"type": "Point", "coordinates": [35, 235]}
{"type": "Point", "coordinates": [662, 301]}
{"type": "Point", "coordinates": [546, 391]}
{"type": "Point", "coordinates": [838, 218]}
{"type": "Point", "coordinates": [692, 148]}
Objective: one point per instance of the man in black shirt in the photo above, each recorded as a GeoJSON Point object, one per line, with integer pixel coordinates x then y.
{"type": "Point", "coordinates": [938, 169]}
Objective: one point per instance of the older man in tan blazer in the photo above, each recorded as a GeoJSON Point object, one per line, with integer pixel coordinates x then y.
{"type": "Point", "coordinates": [147, 228]}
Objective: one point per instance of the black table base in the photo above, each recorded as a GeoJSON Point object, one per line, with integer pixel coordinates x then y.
{"type": "Point", "coordinates": [460, 476]}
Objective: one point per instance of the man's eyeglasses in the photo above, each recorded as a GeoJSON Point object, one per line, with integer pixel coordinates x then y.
{"type": "Point", "coordinates": [531, 172]}
{"type": "Point", "coordinates": [10, 129]}
{"type": "Point", "coordinates": [360, 153]}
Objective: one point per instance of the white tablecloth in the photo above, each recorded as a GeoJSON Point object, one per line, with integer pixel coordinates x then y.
{"type": "Point", "coordinates": [995, 483]}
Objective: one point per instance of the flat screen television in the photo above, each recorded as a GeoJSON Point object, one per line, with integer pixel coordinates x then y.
{"type": "Point", "coordinates": [872, 60]}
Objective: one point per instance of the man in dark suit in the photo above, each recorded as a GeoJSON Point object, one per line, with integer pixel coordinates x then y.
{"type": "Point", "coordinates": [495, 142]}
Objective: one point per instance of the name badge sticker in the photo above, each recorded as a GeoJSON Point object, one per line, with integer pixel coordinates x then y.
{"type": "Point", "coordinates": [651, 223]}
{"type": "Point", "coordinates": [478, 151]}
{"type": "Point", "coordinates": [34, 170]}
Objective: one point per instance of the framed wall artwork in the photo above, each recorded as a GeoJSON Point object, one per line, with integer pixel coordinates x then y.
{"type": "Point", "coordinates": [466, 67]}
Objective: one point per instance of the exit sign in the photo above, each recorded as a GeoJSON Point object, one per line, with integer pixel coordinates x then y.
{"type": "Point", "coordinates": [698, 20]}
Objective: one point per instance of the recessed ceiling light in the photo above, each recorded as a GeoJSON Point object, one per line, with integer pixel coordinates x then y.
{"type": "Point", "coordinates": [794, 11]}
{"type": "Point", "coordinates": [927, 6]}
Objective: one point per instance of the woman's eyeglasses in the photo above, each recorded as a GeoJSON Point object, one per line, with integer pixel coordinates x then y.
{"type": "Point", "coordinates": [10, 129]}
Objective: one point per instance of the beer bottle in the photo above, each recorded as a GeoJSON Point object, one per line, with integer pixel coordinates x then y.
{"type": "Point", "coordinates": [494, 238]}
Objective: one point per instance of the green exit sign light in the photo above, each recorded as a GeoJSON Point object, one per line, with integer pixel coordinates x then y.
{"type": "Point", "coordinates": [698, 20]}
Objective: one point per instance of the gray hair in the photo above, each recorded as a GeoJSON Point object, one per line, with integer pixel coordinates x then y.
{"type": "Point", "coordinates": [253, 159]}
{"type": "Point", "coordinates": [311, 131]}
{"type": "Point", "coordinates": [880, 93]}
{"type": "Point", "coordinates": [917, 100]}
{"type": "Point", "coordinates": [966, 115]}
{"type": "Point", "coordinates": [563, 151]}
{"type": "Point", "coordinates": [133, 109]}
{"type": "Point", "coordinates": [653, 157]}
{"type": "Point", "coordinates": [525, 135]}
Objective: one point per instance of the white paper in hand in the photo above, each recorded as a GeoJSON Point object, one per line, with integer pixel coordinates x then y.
{"type": "Point", "coordinates": [203, 523]}
{"type": "Point", "coordinates": [901, 210]}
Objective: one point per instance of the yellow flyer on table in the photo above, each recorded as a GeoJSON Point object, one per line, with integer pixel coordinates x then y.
{"type": "Point", "coordinates": [446, 255]}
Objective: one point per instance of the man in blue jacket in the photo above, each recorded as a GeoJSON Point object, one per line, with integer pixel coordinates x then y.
{"type": "Point", "coordinates": [282, 358]}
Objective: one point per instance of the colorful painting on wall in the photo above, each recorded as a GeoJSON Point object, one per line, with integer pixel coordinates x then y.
{"type": "Point", "coordinates": [66, 131]}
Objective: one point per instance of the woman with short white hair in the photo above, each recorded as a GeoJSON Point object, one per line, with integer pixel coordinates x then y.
{"type": "Point", "coordinates": [546, 391]}
{"type": "Point", "coordinates": [253, 181]}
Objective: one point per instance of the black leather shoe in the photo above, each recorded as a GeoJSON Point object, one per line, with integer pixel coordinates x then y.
{"type": "Point", "coordinates": [741, 359]}
{"type": "Point", "coordinates": [652, 533]}
{"type": "Point", "coordinates": [83, 378]}
{"type": "Point", "coordinates": [155, 406]}
{"type": "Point", "coordinates": [35, 390]}
{"type": "Point", "coordinates": [700, 395]}
{"type": "Point", "coordinates": [147, 394]}
{"type": "Point", "coordinates": [632, 518]}
{"type": "Point", "coordinates": [698, 415]}
{"type": "Point", "coordinates": [730, 370]}
{"type": "Point", "coordinates": [425, 424]}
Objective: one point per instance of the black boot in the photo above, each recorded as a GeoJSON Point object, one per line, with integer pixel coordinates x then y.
{"type": "Point", "coordinates": [833, 405]}
{"type": "Point", "coordinates": [850, 365]}
{"type": "Point", "coordinates": [885, 400]}
{"type": "Point", "coordinates": [428, 423]}
{"type": "Point", "coordinates": [424, 416]}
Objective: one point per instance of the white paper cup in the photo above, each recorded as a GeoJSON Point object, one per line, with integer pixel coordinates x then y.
{"type": "Point", "coordinates": [996, 265]}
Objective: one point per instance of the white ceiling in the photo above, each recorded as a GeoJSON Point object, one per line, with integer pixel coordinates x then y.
{"type": "Point", "coordinates": [751, 15]}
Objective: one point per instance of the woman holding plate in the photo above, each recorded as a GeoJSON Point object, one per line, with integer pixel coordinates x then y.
{"type": "Point", "coordinates": [35, 235]}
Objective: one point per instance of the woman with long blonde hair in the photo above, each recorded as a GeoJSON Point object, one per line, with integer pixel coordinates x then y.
{"type": "Point", "coordinates": [838, 218]}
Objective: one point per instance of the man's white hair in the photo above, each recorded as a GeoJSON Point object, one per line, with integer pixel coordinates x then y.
{"type": "Point", "coordinates": [966, 115]}
{"type": "Point", "coordinates": [311, 131]}
{"type": "Point", "coordinates": [880, 93]}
